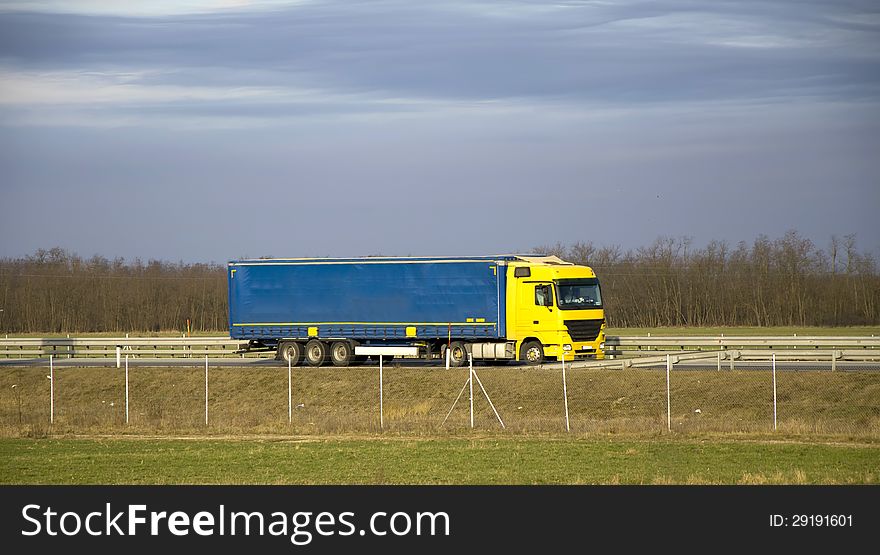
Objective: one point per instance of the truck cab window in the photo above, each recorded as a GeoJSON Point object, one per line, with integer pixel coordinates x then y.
{"type": "Point", "coordinates": [543, 295]}
{"type": "Point", "coordinates": [579, 294]}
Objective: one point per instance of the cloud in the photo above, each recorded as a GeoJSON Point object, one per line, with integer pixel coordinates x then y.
{"type": "Point", "coordinates": [621, 120]}
{"type": "Point", "coordinates": [378, 55]}
{"type": "Point", "coordinates": [141, 8]}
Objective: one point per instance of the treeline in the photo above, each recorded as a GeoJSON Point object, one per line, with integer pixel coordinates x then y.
{"type": "Point", "coordinates": [783, 282]}
{"type": "Point", "coordinates": [57, 291]}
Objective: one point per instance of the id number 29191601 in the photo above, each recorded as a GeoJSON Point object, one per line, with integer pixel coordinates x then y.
{"type": "Point", "coordinates": [811, 520]}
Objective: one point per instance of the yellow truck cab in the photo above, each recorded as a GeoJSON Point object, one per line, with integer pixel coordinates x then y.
{"type": "Point", "coordinates": [554, 309]}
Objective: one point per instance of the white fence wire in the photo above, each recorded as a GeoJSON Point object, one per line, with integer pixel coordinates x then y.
{"type": "Point", "coordinates": [672, 397]}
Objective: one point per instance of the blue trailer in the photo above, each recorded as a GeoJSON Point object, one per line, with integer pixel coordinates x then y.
{"type": "Point", "coordinates": [320, 309]}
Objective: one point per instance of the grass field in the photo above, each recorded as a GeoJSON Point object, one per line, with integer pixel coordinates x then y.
{"type": "Point", "coordinates": [441, 460]}
{"type": "Point", "coordinates": [419, 401]}
{"type": "Point", "coordinates": [722, 425]}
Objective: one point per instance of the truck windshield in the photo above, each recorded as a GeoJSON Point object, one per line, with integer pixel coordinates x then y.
{"type": "Point", "coordinates": [578, 294]}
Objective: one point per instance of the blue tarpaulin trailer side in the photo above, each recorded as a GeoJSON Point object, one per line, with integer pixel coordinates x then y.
{"type": "Point", "coordinates": [371, 300]}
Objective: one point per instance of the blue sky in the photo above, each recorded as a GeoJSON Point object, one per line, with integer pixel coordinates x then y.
{"type": "Point", "coordinates": [209, 130]}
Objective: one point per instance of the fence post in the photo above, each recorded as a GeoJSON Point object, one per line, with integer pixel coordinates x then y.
{"type": "Point", "coordinates": [289, 394]}
{"type": "Point", "coordinates": [381, 408]}
{"type": "Point", "coordinates": [471, 382]}
{"type": "Point", "coordinates": [51, 391]}
{"type": "Point", "coordinates": [126, 389]}
{"type": "Point", "coordinates": [774, 392]}
{"type": "Point", "coordinates": [206, 390]}
{"type": "Point", "coordinates": [668, 401]}
{"type": "Point", "coordinates": [565, 393]}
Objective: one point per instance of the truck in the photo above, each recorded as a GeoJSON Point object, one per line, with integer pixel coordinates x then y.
{"type": "Point", "coordinates": [529, 308]}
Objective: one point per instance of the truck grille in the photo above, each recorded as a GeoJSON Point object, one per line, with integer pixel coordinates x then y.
{"type": "Point", "coordinates": [584, 330]}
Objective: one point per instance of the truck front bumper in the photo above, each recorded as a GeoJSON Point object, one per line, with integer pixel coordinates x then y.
{"type": "Point", "coordinates": [578, 350]}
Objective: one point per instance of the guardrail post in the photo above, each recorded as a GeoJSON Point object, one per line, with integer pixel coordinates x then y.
{"type": "Point", "coordinates": [118, 356]}
{"type": "Point", "coordinates": [833, 360]}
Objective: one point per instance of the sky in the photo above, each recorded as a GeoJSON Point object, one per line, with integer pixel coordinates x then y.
{"type": "Point", "coordinates": [210, 130]}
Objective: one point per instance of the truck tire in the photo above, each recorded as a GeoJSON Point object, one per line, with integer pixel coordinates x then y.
{"type": "Point", "coordinates": [291, 351]}
{"type": "Point", "coordinates": [341, 353]}
{"type": "Point", "coordinates": [316, 353]}
{"type": "Point", "coordinates": [457, 354]}
{"type": "Point", "coordinates": [532, 352]}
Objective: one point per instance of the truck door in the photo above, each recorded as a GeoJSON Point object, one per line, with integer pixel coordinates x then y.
{"type": "Point", "coordinates": [536, 311]}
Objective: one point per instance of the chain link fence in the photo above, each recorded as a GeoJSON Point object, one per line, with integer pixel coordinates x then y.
{"type": "Point", "coordinates": [808, 399]}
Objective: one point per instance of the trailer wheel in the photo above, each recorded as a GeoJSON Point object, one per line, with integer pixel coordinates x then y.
{"type": "Point", "coordinates": [341, 353]}
{"type": "Point", "coordinates": [316, 353]}
{"type": "Point", "coordinates": [532, 352]}
{"type": "Point", "coordinates": [457, 354]}
{"type": "Point", "coordinates": [291, 351]}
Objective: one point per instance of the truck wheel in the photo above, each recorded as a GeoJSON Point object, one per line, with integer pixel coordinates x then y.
{"type": "Point", "coordinates": [532, 352]}
{"type": "Point", "coordinates": [341, 353]}
{"type": "Point", "coordinates": [316, 353]}
{"type": "Point", "coordinates": [457, 354]}
{"type": "Point", "coordinates": [292, 352]}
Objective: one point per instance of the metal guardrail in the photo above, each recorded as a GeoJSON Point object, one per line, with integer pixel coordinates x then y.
{"type": "Point", "coordinates": [728, 342]}
{"type": "Point", "coordinates": [90, 347]}
{"type": "Point", "coordinates": [628, 347]}
{"type": "Point", "coordinates": [643, 351]}
{"type": "Point", "coordinates": [745, 347]}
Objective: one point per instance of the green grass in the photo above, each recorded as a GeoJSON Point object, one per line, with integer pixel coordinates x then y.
{"type": "Point", "coordinates": [829, 427]}
{"type": "Point", "coordinates": [438, 460]}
